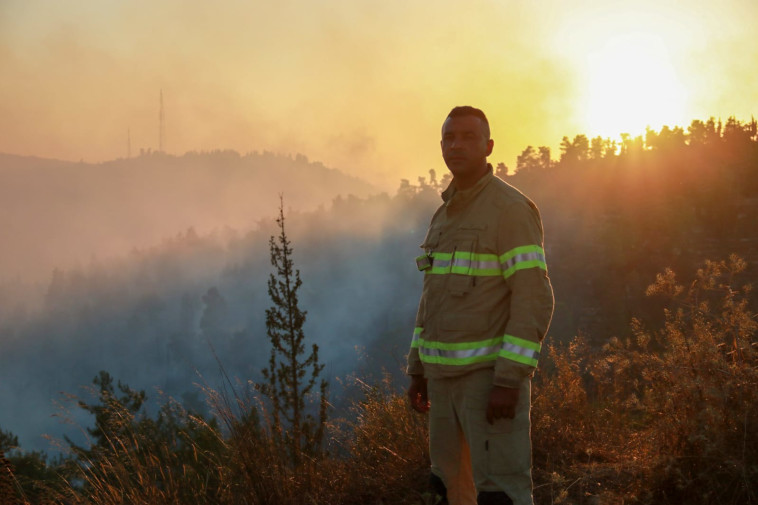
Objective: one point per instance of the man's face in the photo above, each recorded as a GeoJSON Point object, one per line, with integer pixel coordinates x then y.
{"type": "Point", "coordinates": [465, 146]}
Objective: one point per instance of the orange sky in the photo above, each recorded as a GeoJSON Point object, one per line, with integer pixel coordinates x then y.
{"type": "Point", "coordinates": [362, 85]}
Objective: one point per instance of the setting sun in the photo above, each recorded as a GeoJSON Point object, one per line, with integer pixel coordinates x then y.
{"type": "Point", "coordinates": [338, 85]}
{"type": "Point", "coordinates": [632, 84]}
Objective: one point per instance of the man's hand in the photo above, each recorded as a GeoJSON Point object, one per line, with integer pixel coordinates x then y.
{"type": "Point", "coordinates": [502, 403]}
{"type": "Point", "coordinates": [417, 394]}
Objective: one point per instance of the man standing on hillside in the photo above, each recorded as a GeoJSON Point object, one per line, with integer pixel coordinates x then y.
{"type": "Point", "coordinates": [485, 308]}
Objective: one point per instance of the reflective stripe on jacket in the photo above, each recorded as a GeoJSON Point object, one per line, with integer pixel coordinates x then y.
{"type": "Point", "coordinates": [487, 300]}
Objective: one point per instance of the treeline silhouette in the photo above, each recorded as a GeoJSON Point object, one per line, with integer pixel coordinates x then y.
{"type": "Point", "coordinates": [617, 215]}
{"type": "Point", "coordinates": [646, 405]}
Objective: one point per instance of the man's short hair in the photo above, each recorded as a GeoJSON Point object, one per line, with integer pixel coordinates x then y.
{"type": "Point", "coordinates": [467, 110]}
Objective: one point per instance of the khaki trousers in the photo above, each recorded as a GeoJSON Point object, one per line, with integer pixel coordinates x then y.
{"type": "Point", "coordinates": [471, 455]}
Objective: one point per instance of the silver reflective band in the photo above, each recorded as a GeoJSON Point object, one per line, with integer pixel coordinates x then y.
{"type": "Point", "coordinates": [461, 353]}
{"type": "Point", "coordinates": [476, 264]}
{"type": "Point", "coordinates": [466, 353]}
{"type": "Point", "coordinates": [517, 349]}
{"type": "Point", "coordinates": [440, 263]}
{"type": "Point", "coordinates": [529, 256]}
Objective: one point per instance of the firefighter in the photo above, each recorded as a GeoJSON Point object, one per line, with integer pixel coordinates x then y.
{"type": "Point", "coordinates": [485, 307]}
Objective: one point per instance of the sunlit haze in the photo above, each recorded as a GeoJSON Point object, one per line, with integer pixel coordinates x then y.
{"type": "Point", "coordinates": [361, 86]}
{"type": "Point", "coordinates": [147, 146]}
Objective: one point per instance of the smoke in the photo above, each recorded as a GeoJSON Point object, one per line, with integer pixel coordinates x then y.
{"type": "Point", "coordinates": [336, 80]}
{"type": "Point", "coordinates": [60, 215]}
{"type": "Point", "coordinates": [166, 314]}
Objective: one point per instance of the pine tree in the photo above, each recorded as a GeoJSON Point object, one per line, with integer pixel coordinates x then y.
{"type": "Point", "coordinates": [290, 375]}
{"type": "Point", "coordinates": [114, 415]}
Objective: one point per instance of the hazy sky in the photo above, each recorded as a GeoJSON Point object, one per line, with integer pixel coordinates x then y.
{"type": "Point", "coordinates": [362, 85]}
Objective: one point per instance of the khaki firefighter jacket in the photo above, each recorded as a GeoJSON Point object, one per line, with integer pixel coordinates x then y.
{"type": "Point", "coordinates": [487, 300]}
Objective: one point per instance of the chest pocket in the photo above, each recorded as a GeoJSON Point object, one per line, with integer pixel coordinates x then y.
{"type": "Point", "coordinates": [432, 239]}
{"type": "Point", "coordinates": [465, 241]}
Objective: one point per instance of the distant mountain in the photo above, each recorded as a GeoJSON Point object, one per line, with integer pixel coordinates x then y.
{"type": "Point", "coordinates": [57, 213]}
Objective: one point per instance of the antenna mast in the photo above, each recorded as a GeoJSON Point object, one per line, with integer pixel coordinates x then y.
{"type": "Point", "coordinates": [162, 126]}
{"type": "Point", "coordinates": [128, 143]}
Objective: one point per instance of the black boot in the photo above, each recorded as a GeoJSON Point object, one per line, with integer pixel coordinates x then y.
{"type": "Point", "coordinates": [493, 498]}
{"type": "Point", "coordinates": [439, 491]}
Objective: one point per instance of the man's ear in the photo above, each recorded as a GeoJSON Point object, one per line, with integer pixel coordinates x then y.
{"type": "Point", "coordinates": [490, 145]}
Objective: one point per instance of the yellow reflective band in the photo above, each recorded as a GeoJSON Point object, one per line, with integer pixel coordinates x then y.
{"type": "Point", "coordinates": [520, 350]}
{"type": "Point", "coordinates": [484, 264]}
{"type": "Point", "coordinates": [416, 339]}
{"type": "Point", "coordinates": [521, 258]}
{"type": "Point", "coordinates": [465, 263]}
{"type": "Point", "coordinates": [465, 353]}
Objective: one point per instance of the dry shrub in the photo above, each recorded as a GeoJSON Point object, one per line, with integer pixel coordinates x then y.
{"type": "Point", "coordinates": [259, 468]}
{"type": "Point", "coordinates": [146, 461]}
{"type": "Point", "coordinates": [561, 418]}
{"type": "Point", "coordinates": [387, 448]}
{"type": "Point", "coordinates": [378, 455]}
{"type": "Point", "coordinates": [700, 390]}
{"type": "Point", "coordinates": [579, 439]}
{"type": "Point", "coordinates": [667, 416]}
{"type": "Point", "coordinates": [7, 482]}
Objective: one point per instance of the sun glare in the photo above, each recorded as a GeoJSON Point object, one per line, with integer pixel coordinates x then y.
{"type": "Point", "coordinates": [632, 84]}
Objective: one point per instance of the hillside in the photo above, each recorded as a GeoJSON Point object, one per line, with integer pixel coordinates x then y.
{"type": "Point", "coordinates": [60, 214]}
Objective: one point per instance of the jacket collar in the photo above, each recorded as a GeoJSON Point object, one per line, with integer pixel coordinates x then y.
{"type": "Point", "coordinates": [454, 196]}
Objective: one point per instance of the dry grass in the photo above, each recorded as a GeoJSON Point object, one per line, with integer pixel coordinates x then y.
{"type": "Point", "coordinates": [8, 493]}
{"type": "Point", "coordinates": [668, 416]}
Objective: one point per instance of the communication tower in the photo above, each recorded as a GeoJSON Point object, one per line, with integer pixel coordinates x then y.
{"type": "Point", "coordinates": [162, 126]}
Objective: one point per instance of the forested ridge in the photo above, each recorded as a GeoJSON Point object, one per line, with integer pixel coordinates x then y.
{"type": "Point", "coordinates": [624, 221]}
{"type": "Point", "coordinates": [61, 214]}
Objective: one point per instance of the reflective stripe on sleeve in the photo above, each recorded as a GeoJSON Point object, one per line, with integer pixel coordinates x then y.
{"type": "Point", "coordinates": [520, 350]}
{"type": "Point", "coordinates": [415, 341]}
{"type": "Point", "coordinates": [466, 353]}
{"type": "Point", "coordinates": [521, 258]}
